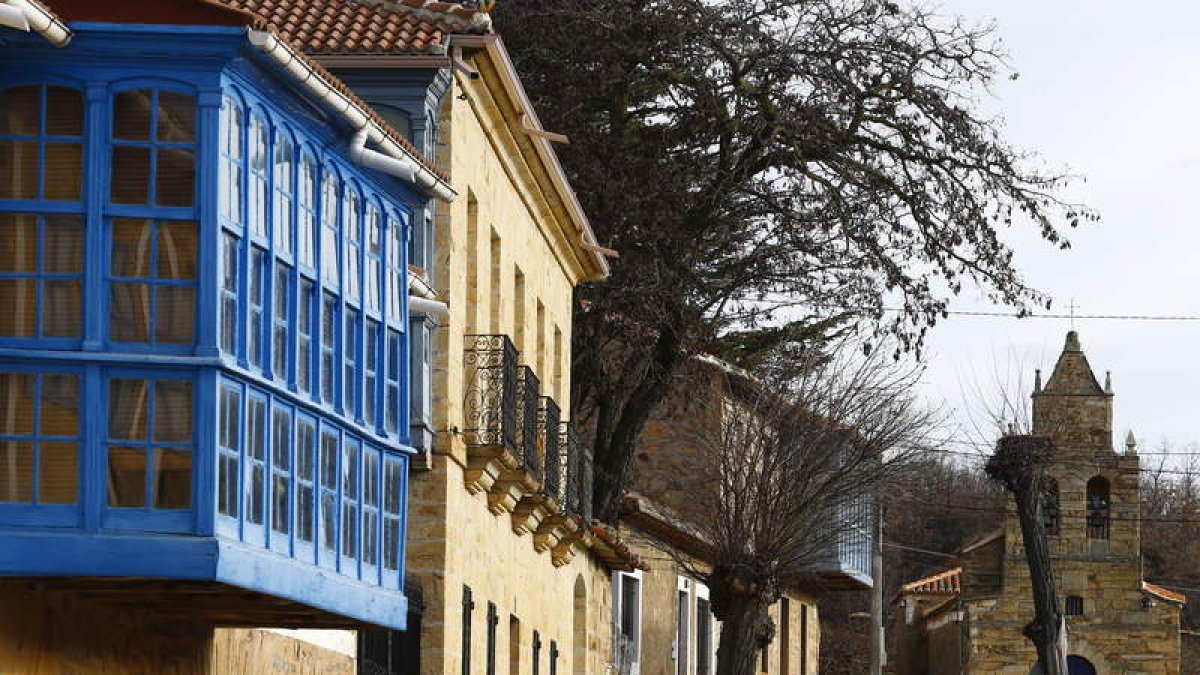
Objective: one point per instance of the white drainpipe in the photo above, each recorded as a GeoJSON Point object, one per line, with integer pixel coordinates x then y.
{"type": "Point", "coordinates": [427, 306]}
{"type": "Point", "coordinates": [26, 16]}
{"type": "Point", "coordinates": [395, 160]}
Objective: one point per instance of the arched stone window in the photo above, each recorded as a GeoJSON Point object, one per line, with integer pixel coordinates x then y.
{"type": "Point", "coordinates": [1050, 512]}
{"type": "Point", "coordinates": [1097, 508]}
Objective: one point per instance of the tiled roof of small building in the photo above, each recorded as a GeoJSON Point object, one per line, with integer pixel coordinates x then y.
{"type": "Point", "coordinates": [367, 26]}
{"type": "Point", "coordinates": [942, 583]}
{"type": "Point", "coordinates": [1159, 591]}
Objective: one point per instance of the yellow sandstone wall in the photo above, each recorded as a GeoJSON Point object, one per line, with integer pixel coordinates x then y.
{"type": "Point", "coordinates": [504, 266]}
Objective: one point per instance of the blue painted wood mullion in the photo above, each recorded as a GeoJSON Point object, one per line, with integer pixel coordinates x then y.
{"type": "Point", "coordinates": [208, 171]}
{"type": "Point", "coordinates": [95, 160]}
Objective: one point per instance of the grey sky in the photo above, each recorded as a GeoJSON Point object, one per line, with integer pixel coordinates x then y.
{"type": "Point", "coordinates": [1108, 88]}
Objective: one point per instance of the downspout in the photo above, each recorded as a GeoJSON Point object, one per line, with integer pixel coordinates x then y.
{"type": "Point", "coordinates": [395, 160]}
{"type": "Point", "coordinates": [24, 15]}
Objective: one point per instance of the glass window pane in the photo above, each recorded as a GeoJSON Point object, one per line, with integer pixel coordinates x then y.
{"type": "Point", "coordinates": [18, 170]}
{"type": "Point", "coordinates": [256, 430]}
{"type": "Point", "coordinates": [19, 296]}
{"type": "Point", "coordinates": [16, 471]}
{"type": "Point", "coordinates": [16, 404]}
{"type": "Point", "coordinates": [60, 405]}
{"type": "Point", "coordinates": [127, 410]}
{"type": "Point", "coordinates": [64, 111]}
{"type": "Point", "coordinates": [64, 172]}
{"type": "Point", "coordinates": [176, 319]}
{"type": "Point", "coordinates": [371, 478]}
{"type": "Point", "coordinates": [280, 465]}
{"type": "Point", "coordinates": [131, 248]}
{"type": "Point", "coordinates": [126, 477]}
{"type": "Point", "coordinates": [306, 449]}
{"type": "Point", "coordinates": [131, 115]}
{"type": "Point", "coordinates": [304, 512]}
{"type": "Point", "coordinates": [130, 175]}
{"type": "Point", "coordinates": [176, 117]}
{"type": "Point", "coordinates": [172, 479]}
{"type": "Point", "coordinates": [391, 543]}
{"type": "Point", "coordinates": [58, 473]}
{"type": "Point", "coordinates": [177, 250]}
{"type": "Point", "coordinates": [62, 309]}
{"type": "Point", "coordinates": [130, 312]}
{"type": "Point", "coordinates": [393, 483]}
{"type": "Point", "coordinates": [173, 411]}
{"type": "Point", "coordinates": [227, 485]}
{"type": "Point", "coordinates": [20, 110]}
{"type": "Point", "coordinates": [18, 243]}
{"type": "Point", "coordinates": [63, 252]}
{"type": "Point", "coordinates": [176, 180]}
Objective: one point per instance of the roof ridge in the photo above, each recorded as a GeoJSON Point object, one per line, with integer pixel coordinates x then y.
{"type": "Point", "coordinates": [458, 14]}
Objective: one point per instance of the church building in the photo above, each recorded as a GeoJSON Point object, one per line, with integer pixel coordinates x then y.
{"type": "Point", "coordinates": [969, 619]}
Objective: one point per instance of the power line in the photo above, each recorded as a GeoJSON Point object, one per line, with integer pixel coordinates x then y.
{"type": "Point", "coordinates": [914, 549]}
{"type": "Point", "coordinates": [1004, 511]}
{"type": "Point", "coordinates": [1051, 315]}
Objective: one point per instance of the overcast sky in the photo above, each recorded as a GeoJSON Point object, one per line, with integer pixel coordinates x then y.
{"type": "Point", "coordinates": [1108, 88]}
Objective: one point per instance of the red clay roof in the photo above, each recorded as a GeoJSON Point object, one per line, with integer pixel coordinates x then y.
{"type": "Point", "coordinates": [367, 26]}
{"type": "Point", "coordinates": [1155, 589]}
{"type": "Point", "coordinates": [942, 583]}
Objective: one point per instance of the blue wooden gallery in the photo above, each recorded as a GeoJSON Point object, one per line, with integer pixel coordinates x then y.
{"type": "Point", "coordinates": [204, 342]}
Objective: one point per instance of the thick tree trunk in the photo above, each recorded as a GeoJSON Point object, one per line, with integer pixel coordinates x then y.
{"type": "Point", "coordinates": [1017, 463]}
{"type": "Point", "coordinates": [741, 601]}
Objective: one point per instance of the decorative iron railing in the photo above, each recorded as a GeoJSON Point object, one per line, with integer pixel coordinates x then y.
{"type": "Point", "coordinates": [528, 428]}
{"type": "Point", "coordinates": [577, 470]}
{"type": "Point", "coordinates": [549, 429]}
{"type": "Point", "coordinates": [490, 407]}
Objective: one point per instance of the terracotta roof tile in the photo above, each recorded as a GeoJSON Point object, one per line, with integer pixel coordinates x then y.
{"type": "Point", "coordinates": [942, 583]}
{"type": "Point", "coordinates": [367, 26]}
{"type": "Point", "coordinates": [1155, 589]}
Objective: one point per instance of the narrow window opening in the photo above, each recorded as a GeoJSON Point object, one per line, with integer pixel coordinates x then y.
{"type": "Point", "coordinates": [1098, 508]}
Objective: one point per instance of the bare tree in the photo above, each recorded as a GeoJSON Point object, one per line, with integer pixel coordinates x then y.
{"type": "Point", "coordinates": [793, 464]}
{"type": "Point", "coordinates": [771, 171]}
{"type": "Point", "coordinates": [1019, 463]}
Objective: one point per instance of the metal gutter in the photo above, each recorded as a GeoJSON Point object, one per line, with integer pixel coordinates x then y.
{"type": "Point", "coordinates": [26, 15]}
{"type": "Point", "coordinates": [400, 162]}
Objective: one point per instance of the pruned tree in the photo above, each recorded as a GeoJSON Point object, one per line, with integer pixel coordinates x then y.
{"type": "Point", "coordinates": [771, 173]}
{"type": "Point", "coordinates": [1019, 463]}
{"type": "Point", "coordinates": [793, 465]}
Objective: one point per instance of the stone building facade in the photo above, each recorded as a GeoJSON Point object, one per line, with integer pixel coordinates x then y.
{"type": "Point", "coordinates": [969, 619]}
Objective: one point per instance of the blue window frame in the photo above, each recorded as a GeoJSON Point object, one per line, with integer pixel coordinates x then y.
{"type": "Point", "coordinates": [229, 447]}
{"type": "Point", "coordinates": [330, 251]}
{"type": "Point", "coordinates": [153, 148]}
{"type": "Point", "coordinates": [256, 345]}
{"type": "Point", "coordinates": [329, 332]}
{"type": "Point", "coordinates": [281, 472]}
{"type": "Point", "coordinates": [306, 238]}
{"type": "Point", "coordinates": [255, 478]}
{"type": "Point", "coordinates": [150, 443]}
{"type": "Point", "coordinates": [152, 281]}
{"type": "Point", "coordinates": [395, 366]}
{"type": "Point", "coordinates": [395, 487]}
{"type": "Point", "coordinates": [282, 333]}
{"type": "Point", "coordinates": [351, 482]}
{"type": "Point", "coordinates": [41, 143]}
{"type": "Point", "coordinates": [41, 276]}
{"type": "Point", "coordinates": [283, 177]}
{"type": "Point", "coordinates": [370, 508]}
{"type": "Point", "coordinates": [330, 467]}
{"type": "Point", "coordinates": [306, 479]}
{"type": "Point", "coordinates": [353, 386]}
{"type": "Point", "coordinates": [306, 310]}
{"type": "Point", "coordinates": [371, 360]}
{"type": "Point", "coordinates": [39, 438]}
{"type": "Point", "coordinates": [258, 145]}
{"type": "Point", "coordinates": [233, 158]}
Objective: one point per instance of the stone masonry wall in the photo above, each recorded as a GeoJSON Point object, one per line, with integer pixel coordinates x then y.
{"type": "Point", "coordinates": [503, 223]}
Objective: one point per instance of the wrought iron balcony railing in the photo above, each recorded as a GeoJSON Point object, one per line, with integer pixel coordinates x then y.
{"type": "Point", "coordinates": [549, 430]}
{"type": "Point", "coordinates": [577, 470]}
{"type": "Point", "coordinates": [528, 426]}
{"type": "Point", "coordinates": [491, 405]}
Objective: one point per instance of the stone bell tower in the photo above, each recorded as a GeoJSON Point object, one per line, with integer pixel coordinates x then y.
{"type": "Point", "coordinates": [1072, 409]}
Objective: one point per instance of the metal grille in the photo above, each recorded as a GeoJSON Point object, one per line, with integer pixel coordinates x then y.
{"type": "Point", "coordinates": [577, 491]}
{"type": "Point", "coordinates": [528, 428]}
{"type": "Point", "coordinates": [491, 399]}
{"type": "Point", "coordinates": [549, 429]}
